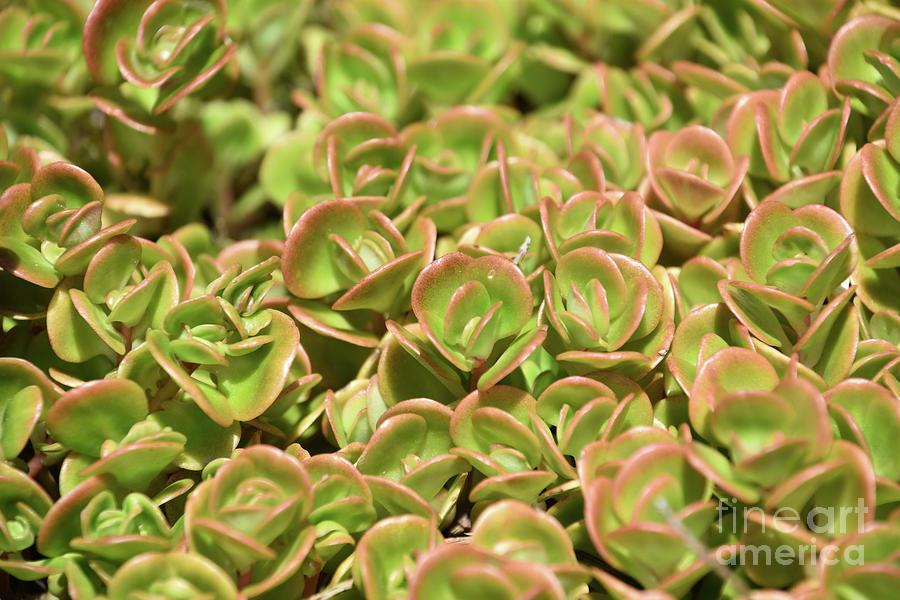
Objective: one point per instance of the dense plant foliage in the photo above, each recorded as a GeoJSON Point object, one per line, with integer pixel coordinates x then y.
{"type": "Point", "coordinates": [544, 299]}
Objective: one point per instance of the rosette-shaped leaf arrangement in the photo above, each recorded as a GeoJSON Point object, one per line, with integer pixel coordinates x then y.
{"type": "Point", "coordinates": [868, 201]}
{"type": "Point", "coordinates": [387, 553]}
{"type": "Point", "coordinates": [357, 154]}
{"type": "Point", "coordinates": [794, 137]}
{"type": "Point", "coordinates": [476, 312]}
{"type": "Point", "coordinates": [23, 506]}
{"type": "Point", "coordinates": [250, 518]}
{"type": "Point", "coordinates": [469, 62]}
{"type": "Point", "coordinates": [104, 424]}
{"type": "Point", "coordinates": [695, 179]}
{"type": "Point", "coordinates": [115, 532]}
{"type": "Point", "coordinates": [362, 70]}
{"type": "Point", "coordinates": [268, 34]}
{"type": "Point", "coordinates": [450, 150]}
{"type": "Point", "coordinates": [863, 63]}
{"type": "Point", "coordinates": [41, 41]}
{"type": "Point", "coordinates": [93, 533]}
{"type": "Point", "coordinates": [514, 550]}
{"type": "Point", "coordinates": [620, 146]}
{"type": "Point", "coordinates": [171, 576]}
{"type": "Point", "coordinates": [771, 428]}
{"type": "Point", "coordinates": [229, 354]}
{"type": "Point", "coordinates": [779, 437]}
{"type": "Point", "coordinates": [513, 184]}
{"type": "Point", "coordinates": [407, 462]}
{"type": "Point", "coordinates": [583, 410]}
{"type": "Point", "coordinates": [339, 258]}
{"type": "Point", "coordinates": [702, 331]}
{"type": "Point", "coordinates": [495, 431]}
{"type": "Point", "coordinates": [342, 508]}
{"type": "Point", "coordinates": [50, 227]}
{"type": "Point", "coordinates": [646, 510]}
{"type": "Point", "coordinates": [647, 94]}
{"type": "Point", "coordinates": [123, 293]}
{"type": "Point", "coordinates": [609, 311]}
{"type": "Point", "coordinates": [620, 224]}
{"type": "Point", "coordinates": [796, 261]}
{"type": "Point", "coordinates": [863, 565]}
{"type": "Point", "coordinates": [170, 49]}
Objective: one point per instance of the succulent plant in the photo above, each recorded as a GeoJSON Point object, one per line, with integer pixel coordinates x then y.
{"type": "Point", "coordinates": [793, 135]}
{"type": "Point", "coordinates": [695, 179]}
{"type": "Point", "coordinates": [170, 49]}
{"type": "Point", "coordinates": [862, 63]}
{"type": "Point", "coordinates": [449, 299]}
{"type": "Point", "coordinates": [608, 310]}
{"type": "Point", "coordinates": [475, 309]}
{"type": "Point", "coordinates": [173, 576]}
{"type": "Point", "coordinates": [250, 517]}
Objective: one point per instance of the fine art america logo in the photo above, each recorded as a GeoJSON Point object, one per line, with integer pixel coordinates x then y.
{"type": "Point", "coordinates": [787, 523]}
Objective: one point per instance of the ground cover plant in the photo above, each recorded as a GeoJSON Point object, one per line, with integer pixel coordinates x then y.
{"type": "Point", "coordinates": [508, 299]}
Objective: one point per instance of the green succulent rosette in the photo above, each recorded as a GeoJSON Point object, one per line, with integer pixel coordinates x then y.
{"type": "Point", "coordinates": [863, 63]}
{"type": "Point", "coordinates": [450, 149]}
{"type": "Point", "coordinates": [497, 433]}
{"type": "Point", "coordinates": [514, 550]}
{"type": "Point", "coordinates": [788, 464]}
{"type": "Point", "coordinates": [42, 73]}
{"type": "Point", "coordinates": [171, 576]}
{"type": "Point", "coordinates": [119, 442]}
{"type": "Point", "coordinates": [513, 184]}
{"type": "Point", "coordinates": [647, 95]}
{"type": "Point", "coordinates": [620, 145]}
{"type": "Point", "coordinates": [357, 154]}
{"type": "Point", "coordinates": [51, 222]}
{"type": "Point", "coordinates": [475, 313]}
{"type": "Point", "coordinates": [581, 410]}
{"type": "Point", "coordinates": [637, 511]}
{"type": "Point", "coordinates": [806, 252]}
{"type": "Point", "coordinates": [701, 332]}
{"type": "Point", "coordinates": [341, 263]}
{"type": "Point", "coordinates": [797, 262]}
{"type": "Point", "coordinates": [165, 49]}
{"type": "Point", "coordinates": [223, 350]}
{"type": "Point", "coordinates": [362, 70]}
{"type": "Point", "coordinates": [24, 506]}
{"type": "Point", "coordinates": [695, 180]}
{"type": "Point", "coordinates": [472, 62]}
{"type": "Point", "coordinates": [620, 224]}
{"type": "Point", "coordinates": [115, 531]}
{"type": "Point", "coordinates": [411, 446]}
{"type": "Point", "coordinates": [251, 517]}
{"type": "Point", "coordinates": [609, 311]}
{"type": "Point", "coordinates": [343, 506]}
{"type": "Point", "coordinates": [771, 428]}
{"type": "Point", "coordinates": [268, 37]}
{"type": "Point", "coordinates": [794, 137]}
{"type": "Point", "coordinates": [386, 555]}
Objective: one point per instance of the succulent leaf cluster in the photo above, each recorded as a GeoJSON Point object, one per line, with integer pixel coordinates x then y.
{"type": "Point", "coordinates": [547, 299]}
